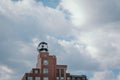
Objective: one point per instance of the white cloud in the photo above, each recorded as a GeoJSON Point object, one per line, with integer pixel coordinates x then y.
{"type": "Point", "coordinates": [97, 30]}
{"type": "Point", "coordinates": [103, 75]}
{"type": "Point", "coordinates": [5, 72]}
{"type": "Point", "coordinates": [22, 23]}
{"type": "Point", "coordinates": [40, 17]}
{"type": "Point", "coordinates": [77, 56]}
{"type": "Point", "coordinates": [84, 12]}
{"type": "Point", "coordinates": [78, 14]}
{"type": "Point", "coordinates": [118, 77]}
{"type": "Point", "coordinates": [91, 44]}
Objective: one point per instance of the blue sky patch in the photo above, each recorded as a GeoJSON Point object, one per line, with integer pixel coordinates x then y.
{"type": "Point", "coordinates": [50, 3]}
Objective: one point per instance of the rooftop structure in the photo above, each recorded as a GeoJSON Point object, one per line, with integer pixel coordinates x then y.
{"type": "Point", "coordinates": [48, 69]}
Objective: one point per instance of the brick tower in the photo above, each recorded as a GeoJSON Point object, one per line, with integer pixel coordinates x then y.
{"type": "Point", "coordinates": [46, 63]}
{"type": "Point", "coordinates": [47, 68]}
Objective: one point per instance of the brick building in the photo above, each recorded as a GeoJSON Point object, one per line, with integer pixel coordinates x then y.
{"type": "Point", "coordinates": [47, 68]}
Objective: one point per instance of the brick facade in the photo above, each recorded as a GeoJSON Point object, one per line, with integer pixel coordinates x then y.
{"type": "Point", "coordinates": [47, 68]}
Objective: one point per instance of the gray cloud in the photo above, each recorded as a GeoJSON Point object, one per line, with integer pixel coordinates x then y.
{"type": "Point", "coordinates": [85, 42]}
{"type": "Point", "coordinates": [19, 26]}
{"type": "Point", "coordinates": [93, 12]}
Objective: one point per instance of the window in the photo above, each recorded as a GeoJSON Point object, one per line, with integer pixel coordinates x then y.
{"type": "Point", "coordinates": [45, 62]}
{"type": "Point", "coordinates": [79, 79]}
{"type": "Point", "coordinates": [57, 78]}
{"type": "Point", "coordinates": [68, 78]}
{"type": "Point", "coordinates": [45, 78]}
{"type": "Point", "coordinates": [30, 78]}
{"type": "Point", "coordinates": [62, 78]}
{"type": "Point", "coordinates": [62, 72]}
{"type": "Point", "coordinates": [84, 78]}
{"type": "Point", "coordinates": [45, 70]}
{"type": "Point", "coordinates": [57, 72]}
{"type": "Point", "coordinates": [73, 78]}
{"type": "Point", "coordinates": [37, 78]}
{"type": "Point", "coordinates": [36, 71]}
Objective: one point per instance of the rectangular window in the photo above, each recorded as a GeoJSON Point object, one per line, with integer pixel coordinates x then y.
{"type": "Point", "coordinates": [62, 78]}
{"type": "Point", "coordinates": [68, 78]}
{"type": "Point", "coordinates": [36, 71]}
{"type": "Point", "coordinates": [30, 78]}
{"type": "Point", "coordinates": [62, 72]}
{"type": "Point", "coordinates": [73, 78]}
{"type": "Point", "coordinates": [57, 72]}
{"type": "Point", "coordinates": [46, 78]}
{"type": "Point", "coordinates": [79, 78]}
{"type": "Point", "coordinates": [37, 78]}
{"type": "Point", "coordinates": [45, 62]}
{"type": "Point", "coordinates": [84, 78]}
{"type": "Point", "coordinates": [45, 70]}
{"type": "Point", "coordinates": [57, 78]}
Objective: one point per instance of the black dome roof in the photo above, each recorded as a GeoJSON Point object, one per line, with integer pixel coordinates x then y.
{"type": "Point", "coordinates": [42, 43]}
{"type": "Point", "coordinates": [42, 46]}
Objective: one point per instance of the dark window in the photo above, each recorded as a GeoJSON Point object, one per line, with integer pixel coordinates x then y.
{"type": "Point", "coordinates": [57, 72]}
{"type": "Point", "coordinates": [62, 72]}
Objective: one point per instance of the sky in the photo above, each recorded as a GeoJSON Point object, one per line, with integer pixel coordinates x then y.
{"type": "Point", "coordinates": [83, 34]}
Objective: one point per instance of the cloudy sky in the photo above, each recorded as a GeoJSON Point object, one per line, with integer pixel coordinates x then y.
{"type": "Point", "coordinates": [83, 34]}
